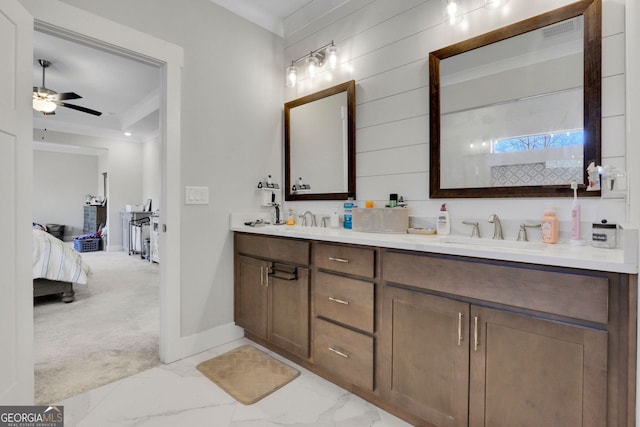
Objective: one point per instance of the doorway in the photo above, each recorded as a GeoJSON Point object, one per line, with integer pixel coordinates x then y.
{"type": "Point", "coordinates": [104, 34]}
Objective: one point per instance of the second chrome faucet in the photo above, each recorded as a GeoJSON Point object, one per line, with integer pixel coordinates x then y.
{"type": "Point", "coordinates": [497, 229]}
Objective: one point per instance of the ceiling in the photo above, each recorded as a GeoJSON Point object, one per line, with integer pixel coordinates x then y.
{"type": "Point", "coordinates": [126, 91]}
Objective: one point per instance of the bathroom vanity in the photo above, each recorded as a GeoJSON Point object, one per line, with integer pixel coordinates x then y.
{"type": "Point", "coordinates": [446, 333]}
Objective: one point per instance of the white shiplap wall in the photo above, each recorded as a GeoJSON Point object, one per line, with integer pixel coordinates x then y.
{"type": "Point", "coordinates": [383, 45]}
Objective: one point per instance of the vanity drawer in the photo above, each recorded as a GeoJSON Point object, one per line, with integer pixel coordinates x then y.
{"type": "Point", "coordinates": [566, 293]}
{"type": "Point", "coordinates": [344, 300]}
{"type": "Point", "coordinates": [345, 259]}
{"type": "Point", "coordinates": [289, 250]}
{"type": "Point", "coordinates": [344, 353]}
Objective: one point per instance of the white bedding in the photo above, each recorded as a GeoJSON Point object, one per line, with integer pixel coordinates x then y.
{"type": "Point", "coordinates": [54, 260]}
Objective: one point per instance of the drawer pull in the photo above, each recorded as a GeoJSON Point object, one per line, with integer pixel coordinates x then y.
{"type": "Point", "coordinates": [342, 260]}
{"type": "Point", "coordinates": [339, 301]}
{"type": "Point", "coordinates": [475, 333]}
{"type": "Point", "coordinates": [338, 352]}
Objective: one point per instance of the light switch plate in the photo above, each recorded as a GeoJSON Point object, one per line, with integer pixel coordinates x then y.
{"type": "Point", "coordinates": [196, 195]}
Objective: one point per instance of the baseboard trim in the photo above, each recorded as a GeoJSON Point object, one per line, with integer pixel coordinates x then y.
{"type": "Point", "coordinates": [197, 343]}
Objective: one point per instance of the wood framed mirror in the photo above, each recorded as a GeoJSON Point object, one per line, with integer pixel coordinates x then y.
{"type": "Point", "coordinates": [320, 145]}
{"type": "Point", "coordinates": [516, 112]}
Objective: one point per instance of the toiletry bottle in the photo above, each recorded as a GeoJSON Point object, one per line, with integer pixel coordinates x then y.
{"type": "Point", "coordinates": [348, 213]}
{"type": "Point", "coordinates": [334, 220]}
{"type": "Point", "coordinates": [549, 226]}
{"type": "Point", "coordinates": [443, 224]}
{"type": "Point", "coordinates": [575, 214]}
{"type": "Point", "coordinates": [291, 220]}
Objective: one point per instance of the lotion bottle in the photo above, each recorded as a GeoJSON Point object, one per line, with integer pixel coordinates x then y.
{"type": "Point", "coordinates": [549, 226]}
{"type": "Point", "coordinates": [443, 224]}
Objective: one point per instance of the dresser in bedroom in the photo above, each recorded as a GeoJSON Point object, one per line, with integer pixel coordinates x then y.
{"type": "Point", "coordinates": [94, 216]}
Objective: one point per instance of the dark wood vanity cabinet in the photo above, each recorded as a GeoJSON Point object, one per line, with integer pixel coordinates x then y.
{"type": "Point", "coordinates": [513, 358]}
{"type": "Point", "coordinates": [271, 292]}
{"type": "Point", "coordinates": [444, 340]}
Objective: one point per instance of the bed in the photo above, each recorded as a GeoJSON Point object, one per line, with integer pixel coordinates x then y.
{"type": "Point", "coordinates": [56, 267]}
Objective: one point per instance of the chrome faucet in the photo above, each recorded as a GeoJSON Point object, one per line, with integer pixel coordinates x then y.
{"type": "Point", "coordinates": [276, 213]}
{"type": "Point", "coordinates": [304, 214]}
{"type": "Point", "coordinates": [475, 232]}
{"type": "Point", "coordinates": [522, 234]}
{"type": "Point", "coordinates": [497, 231]}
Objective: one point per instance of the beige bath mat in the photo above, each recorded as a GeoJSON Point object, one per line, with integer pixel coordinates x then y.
{"type": "Point", "coordinates": [247, 373]}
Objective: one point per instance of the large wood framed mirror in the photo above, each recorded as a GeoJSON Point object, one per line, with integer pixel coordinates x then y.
{"type": "Point", "coordinates": [320, 145]}
{"type": "Point", "coordinates": [516, 112]}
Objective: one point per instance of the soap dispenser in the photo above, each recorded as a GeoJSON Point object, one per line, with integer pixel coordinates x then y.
{"type": "Point", "coordinates": [291, 219]}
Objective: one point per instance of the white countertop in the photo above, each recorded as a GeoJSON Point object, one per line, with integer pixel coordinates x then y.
{"type": "Point", "coordinates": [561, 254]}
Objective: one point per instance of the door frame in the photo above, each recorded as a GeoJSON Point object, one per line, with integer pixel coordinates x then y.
{"type": "Point", "coordinates": [66, 21]}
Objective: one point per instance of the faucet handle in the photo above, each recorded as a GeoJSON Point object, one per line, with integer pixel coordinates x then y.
{"type": "Point", "coordinates": [304, 220]}
{"type": "Point", "coordinates": [522, 234]}
{"type": "Point", "coordinates": [475, 233]}
{"type": "Point", "coordinates": [325, 218]}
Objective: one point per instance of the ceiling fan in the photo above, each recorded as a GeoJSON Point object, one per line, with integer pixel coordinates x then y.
{"type": "Point", "coordinates": [46, 100]}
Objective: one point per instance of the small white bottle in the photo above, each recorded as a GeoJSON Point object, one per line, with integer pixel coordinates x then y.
{"type": "Point", "coordinates": [334, 220]}
{"type": "Point", "coordinates": [443, 224]}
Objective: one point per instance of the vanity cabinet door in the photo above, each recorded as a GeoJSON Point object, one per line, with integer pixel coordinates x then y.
{"type": "Point", "coordinates": [529, 371]}
{"type": "Point", "coordinates": [424, 355]}
{"type": "Point", "coordinates": [289, 312]}
{"type": "Point", "coordinates": [251, 275]}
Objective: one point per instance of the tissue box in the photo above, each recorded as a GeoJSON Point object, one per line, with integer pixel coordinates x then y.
{"type": "Point", "coordinates": [381, 220]}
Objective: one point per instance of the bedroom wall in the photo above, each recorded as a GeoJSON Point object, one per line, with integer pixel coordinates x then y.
{"type": "Point", "coordinates": [60, 183]}
{"type": "Point", "coordinates": [151, 172]}
{"type": "Point", "coordinates": [124, 168]}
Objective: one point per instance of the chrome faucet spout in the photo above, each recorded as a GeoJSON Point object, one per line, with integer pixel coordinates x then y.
{"type": "Point", "coordinates": [497, 231]}
{"type": "Point", "coordinates": [304, 214]}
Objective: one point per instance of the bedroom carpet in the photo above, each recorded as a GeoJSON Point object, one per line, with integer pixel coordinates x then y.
{"type": "Point", "coordinates": [109, 332]}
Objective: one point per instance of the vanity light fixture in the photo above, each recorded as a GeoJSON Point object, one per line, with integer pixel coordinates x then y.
{"type": "Point", "coordinates": [452, 11]}
{"type": "Point", "coordinates": [494, 4]}
{"type": "Point", "coordinates": [314, 61]}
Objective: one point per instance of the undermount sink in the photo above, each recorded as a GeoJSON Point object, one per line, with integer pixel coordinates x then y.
{"type": "Point", "coordinates": [494, 243]}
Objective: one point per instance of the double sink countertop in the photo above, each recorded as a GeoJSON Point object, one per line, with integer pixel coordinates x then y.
{"type": "Point", "coordinates": [562, 254]}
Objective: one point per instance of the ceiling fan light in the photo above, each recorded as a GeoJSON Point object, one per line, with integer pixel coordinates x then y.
{"type": "Point", "coordinates": [44, 105]}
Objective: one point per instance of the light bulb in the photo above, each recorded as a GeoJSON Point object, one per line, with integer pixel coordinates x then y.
{"type": "Point", "coordinates": [452, 11]}
{"type": "Point", "coordinates": [312, 66]}
{"type": "Point", "coordinates": [43, 105]}
{"type": "Point", "coordinates": [333, 57]}
{"type": "Point", "coordinates": [494, 4]}
{"type": "Point", "coordinates": [292, 76]}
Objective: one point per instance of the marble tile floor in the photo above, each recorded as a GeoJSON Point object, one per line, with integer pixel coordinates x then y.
{"type": "Point", "coordinates": [178, 395]}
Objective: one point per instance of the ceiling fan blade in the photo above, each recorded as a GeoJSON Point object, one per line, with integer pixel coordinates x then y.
{"type": "Point", "coordinates": [64, 96]}
{"type": "Point", "coordinates": [79, 108]}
